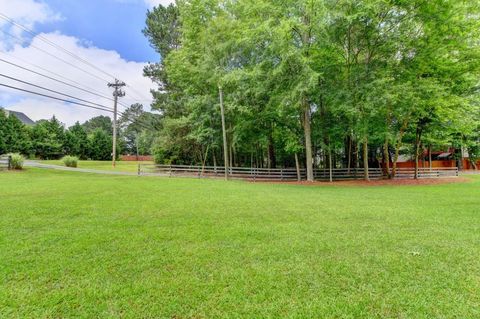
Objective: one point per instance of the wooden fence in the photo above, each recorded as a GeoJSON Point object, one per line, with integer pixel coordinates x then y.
{"type": "Point", "coordinates": [439, 172]}
{"type": "Point", "coordinates": [344, 174]}
{"type": "Point", "coordinates": [5, 162]}
{"type": "Point", "coordinates": [287, 174]}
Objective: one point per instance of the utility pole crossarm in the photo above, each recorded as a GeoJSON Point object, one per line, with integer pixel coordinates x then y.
{"type": "Point", "coordinates": [117, 92]}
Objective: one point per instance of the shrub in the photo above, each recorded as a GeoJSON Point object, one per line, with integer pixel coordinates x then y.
{"type": "Point", "coordinates": [16, 161]}
{"type": "Point", "coordinates": [70, 161]}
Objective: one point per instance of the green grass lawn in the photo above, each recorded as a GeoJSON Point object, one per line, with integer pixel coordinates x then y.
{"type": "Point", "coordinates": [130, 166]}
{"type": "Point", "coordinates": [93, 246]}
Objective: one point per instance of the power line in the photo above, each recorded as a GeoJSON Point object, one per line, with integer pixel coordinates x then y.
{"type": "Point", "coordinates": [75, 56]}
{"type": "Point", "coordinates": [86, 88]}
{"type": "Point", "coordinates": [53, 91]}
{"type": "Point", "coordinates": [54, 79]}
{"type": "Point", "coordinates": [53, 97]}
{"type": "Point", "coordinates": [101, 107]}
{"type": "Point", "coordinates": [142, 97]}
{"type": "Point", "coordinates": [53, 44]}
{"type": "Point", "coordinates": [56, 57]}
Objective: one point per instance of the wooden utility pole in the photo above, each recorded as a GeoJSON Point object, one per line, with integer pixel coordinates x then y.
{"type": "Point", "coordinates": [116, 94]}
{"type": "Point", "coordinates": [225, 146]}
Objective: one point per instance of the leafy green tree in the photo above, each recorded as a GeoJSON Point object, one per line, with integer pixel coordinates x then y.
{"type": "Point", "coordinates": [100, 145]}
{"type": "Point", "coordinates": [14, 135]}
{"type": "Point", "coordinates": [99, 122]}
{"type": "Point", "coordinates": [349, 82]}
{"type": "Point", "coordinates": [76, 142]}
{"type": "Point", "coordinates": [48, 137]}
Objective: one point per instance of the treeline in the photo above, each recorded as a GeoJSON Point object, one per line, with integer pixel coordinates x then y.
{"type": "Point", "coordinates": [49, 139]}
{"type": "Point", "coordinates": [328, 83]}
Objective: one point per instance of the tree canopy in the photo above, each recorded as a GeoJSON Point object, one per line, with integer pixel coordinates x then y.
{"type": "Point", "coordinates": [350, 83]}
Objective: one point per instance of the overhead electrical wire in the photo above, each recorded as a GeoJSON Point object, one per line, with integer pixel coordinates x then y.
{"type": "Point", "coordinates": [140, 96]}
{"type": "Point", "coordinates": [90, 91]}
{"type": "Point", "coordinates": [56, 74]}
{"type": "Point", "coordinates": [79, 85]}
{"type": "Point", "coordinates": [53, 97]}
{"type": "Point", "coordinates": [97, 106]}
{"type": "Point", "coordinates": [56, 57]}
{"type": "Point", "coordinates": [53, 44]}
{"type": "Point", "coordinates": [56, 80]}
{"type": "Point", "coordinates": [53, 91]}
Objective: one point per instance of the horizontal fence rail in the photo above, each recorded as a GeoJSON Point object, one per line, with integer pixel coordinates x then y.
{"type": "Point", "coordinates": [343, 174]}
{"type": "Point", "coordinates": [5, 162]}
{"type": "Point", "coordinates": [409, 173]}
{"type": "Point", "coordinates": [287, 174]}
{"type": "Point", "coordinates": [211, 171]}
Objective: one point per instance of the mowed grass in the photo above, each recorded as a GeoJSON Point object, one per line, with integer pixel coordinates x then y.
{"type": "Point", "coordinates": [121, 166]}
{"type": "Point", "coordinates": [93, 246]}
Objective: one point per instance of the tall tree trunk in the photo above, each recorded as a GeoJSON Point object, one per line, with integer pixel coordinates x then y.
{"type": "Point", "coordinates": [365, 159]}
{"type": "Point", "coordinates": [297, 166]}
{"type": "Point", "coordinates": [205, 160]}
{"type": "Point", "coordinates": [350, 143]}
{"type": "Point", "coordinates": [308, 139]}
{"type": "Point", "coordinates": [330, 164]}
{"type": "Point", "coordinates": [214, 161]}
{"type": "Point", "coordinates": [418, 141]}
{"type": "Point", "coordinates": [271, 151]}
{"type": "Point", "coordinates": [386, 156]}
{"type": "Point", "coordinates": [398, 145]}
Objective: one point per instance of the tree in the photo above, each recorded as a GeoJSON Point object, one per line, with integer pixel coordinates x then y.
{"type": "Point", "coordinates": [14, 135]}
{"type": "Point", "coordinates": [100, 145]}
{"type": "Point", "coordinates": [99, 122]}
{"type": "Point", "coordinates": [350, 82]}
{"type": "Point", "coordinates": [138, 129]}
{"type": "Point", "coordinates": [48, 139]}
{"type": "Point", "coordinates": [76, 142]}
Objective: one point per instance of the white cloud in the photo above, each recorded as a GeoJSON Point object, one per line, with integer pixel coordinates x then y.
{"type": "Point", "coordinates": [152, 3]}
{"type": "Point", "coordinates": [25, 12]}
{"type": "Point", "coordinates": [39, 108]}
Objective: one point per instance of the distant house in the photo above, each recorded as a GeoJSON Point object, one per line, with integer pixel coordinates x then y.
{"type": "Point", "coordinates": [19, 115]}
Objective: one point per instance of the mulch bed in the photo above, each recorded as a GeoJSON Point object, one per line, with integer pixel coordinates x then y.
{"type": "Point", "coordinates": [385, 182]}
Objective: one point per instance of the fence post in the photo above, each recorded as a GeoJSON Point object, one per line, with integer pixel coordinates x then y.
{"type": "Point", "coordinates": [9, 162]}
{"type": "Point", "coordinates": [138, 171]}
{"type": "Point", "coordinates": [170, 170]}
{"type": "Point", "coordinates": [281, 173]}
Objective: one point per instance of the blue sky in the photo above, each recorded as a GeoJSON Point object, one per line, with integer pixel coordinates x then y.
{"type": "Point", "coordinates": [108, 24]}
{"type": "Point", "coordinates": [106, 33]}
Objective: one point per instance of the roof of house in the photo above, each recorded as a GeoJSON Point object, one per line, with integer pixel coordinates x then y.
{"type": "Point", "coordinates": [21, 116]}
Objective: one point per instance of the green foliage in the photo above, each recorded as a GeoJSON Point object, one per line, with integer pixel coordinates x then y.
{"type": "Point", "coordinates": [343, 74]}
{"type": "Point", "coordinates": [48, 138]}
{"type": "Point", "coordinates": [138, 130]}
{"type": "Point", "coordinates": [70, 161]}
{"type": "Point", "coordinates": [100, 145]}
{"type": "Point", "coordinates": [99, 122]}
{"type": "Point", "coordinates": [14, 135]}
{"type": "Point", "coordinates": [76, 142]}
{"type": "Point", "coordinates": [16, 161]}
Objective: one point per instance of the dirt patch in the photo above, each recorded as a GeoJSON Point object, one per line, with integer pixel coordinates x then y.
{"type": "Point", "coordinates": [384, 182]}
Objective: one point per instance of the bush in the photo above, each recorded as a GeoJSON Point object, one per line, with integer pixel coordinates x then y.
{"type": "Point", "coordinates": [16, 161]}
{"type": "Point", "coordinates": [70, 161]}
